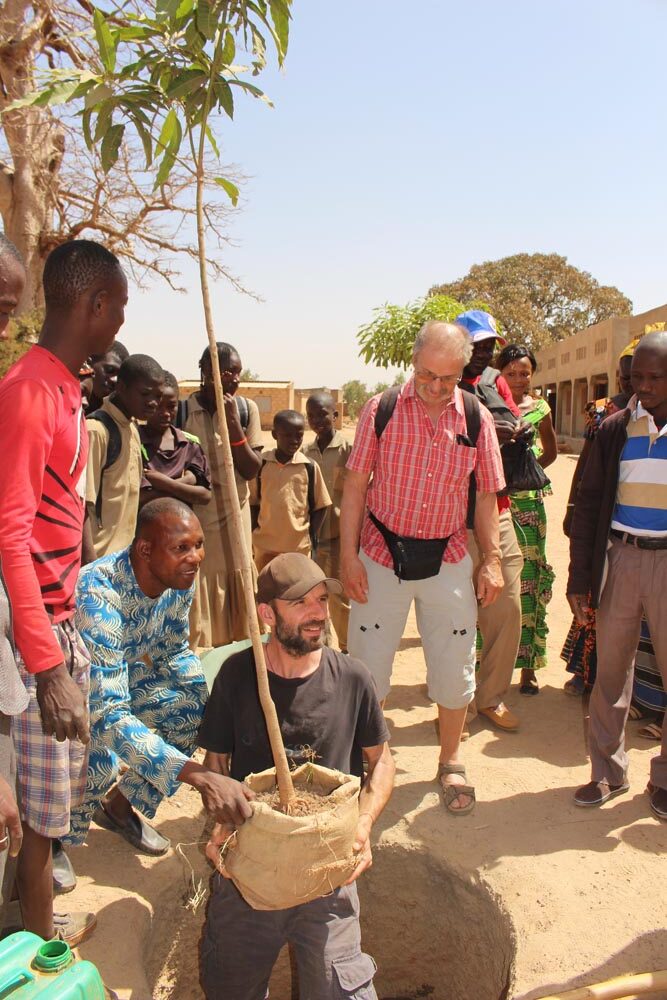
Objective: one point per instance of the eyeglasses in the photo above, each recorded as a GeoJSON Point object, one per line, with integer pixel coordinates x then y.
{"type": "Point", "coordinates": [423, 377]}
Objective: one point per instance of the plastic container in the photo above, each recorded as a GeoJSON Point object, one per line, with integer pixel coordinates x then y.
{"type": "Point", "coordinates": [31, 967]}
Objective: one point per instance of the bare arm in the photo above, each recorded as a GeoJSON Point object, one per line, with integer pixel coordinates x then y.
{"type": "Point", "coordinates": [87, 547]}
{"type": "Point", "coordinates": [352, 513]}
{"type": "Point", "coordinates": [166, 486]}
{"type": "Point", "coordinates": [316, 519]}
{"type": "Point", "coordinates": [548, 441]}
{"type": "Point", "coordinates": [373, 798]}
{"type": "Point", "coordinates": [246, 459]}
{"type": "Point", "coordinates": [490, 577]}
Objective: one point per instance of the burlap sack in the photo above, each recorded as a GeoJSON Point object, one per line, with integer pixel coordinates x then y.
{"type": "Point", "coordinates": [278, 861]}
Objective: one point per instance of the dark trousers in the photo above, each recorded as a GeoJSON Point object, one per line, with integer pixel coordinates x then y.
{"type": "Point", "coordinates": [240, 946]}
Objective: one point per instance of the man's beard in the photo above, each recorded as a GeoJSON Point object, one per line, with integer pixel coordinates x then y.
{"type": "Point", "coordinates": [293, 641]}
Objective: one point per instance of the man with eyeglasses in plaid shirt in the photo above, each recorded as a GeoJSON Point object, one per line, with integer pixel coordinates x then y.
{"type": "Point", "coordinates": [413, 480]}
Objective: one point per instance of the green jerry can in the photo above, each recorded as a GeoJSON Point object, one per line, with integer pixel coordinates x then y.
{"type": "Point", "coordinates": [31, 967]}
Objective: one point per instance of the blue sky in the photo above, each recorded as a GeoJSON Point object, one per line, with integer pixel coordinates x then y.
{"type": "Point", "coordinates": [410, 141]}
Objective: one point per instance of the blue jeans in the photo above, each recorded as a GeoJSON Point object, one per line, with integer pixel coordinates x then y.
{"type": "Point", "coordinates": [240, 946]}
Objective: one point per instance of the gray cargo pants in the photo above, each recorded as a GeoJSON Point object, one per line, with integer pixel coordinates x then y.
{"type": "Point", "coordinates": [239, 947]}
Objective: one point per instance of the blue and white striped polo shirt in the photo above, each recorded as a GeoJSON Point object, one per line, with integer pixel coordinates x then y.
{"type": "Point", "coordinates": [641, 497]}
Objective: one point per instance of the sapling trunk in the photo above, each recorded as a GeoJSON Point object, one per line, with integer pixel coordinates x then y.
{"type": "Point", "coordinates": [240, 555]}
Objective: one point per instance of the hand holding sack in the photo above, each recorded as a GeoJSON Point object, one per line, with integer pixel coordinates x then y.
{"type": "Point", "coordinates": [277, 861]}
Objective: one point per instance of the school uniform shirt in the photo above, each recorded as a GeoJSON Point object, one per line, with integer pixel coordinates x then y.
{"type": "Point", "coordinates": [218, 610]}
{"type": "Point", "coordinates": [284, 518]}
{"type": "Point", "coordinates": [185, 455]}
{"type": "Point", "coordinates": [332, 462]}
{"type": "Point", "coordinates": [42, 474]}
{"type": "Point", "coordinates": [114, 530]}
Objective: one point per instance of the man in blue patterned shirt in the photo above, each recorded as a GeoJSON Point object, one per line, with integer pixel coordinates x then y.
{"type": "Point", "coordinates": [147, 691]}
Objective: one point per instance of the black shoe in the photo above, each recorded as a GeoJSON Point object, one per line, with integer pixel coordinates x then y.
{"type": "Point", "coordinates": [64, 876]}
{"type": "Point", "coordinates": [136, 831]}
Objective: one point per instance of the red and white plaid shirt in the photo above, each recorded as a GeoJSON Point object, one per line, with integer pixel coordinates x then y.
{"type": "Point", "coordinates": [420, 477]}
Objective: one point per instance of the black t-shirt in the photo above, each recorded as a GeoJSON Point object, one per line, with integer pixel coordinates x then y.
{"type": "Point", "coordinates": [334, 712]}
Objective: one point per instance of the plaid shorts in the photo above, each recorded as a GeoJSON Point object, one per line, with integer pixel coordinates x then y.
{"type": "Point", "coordinates": [51, 775]}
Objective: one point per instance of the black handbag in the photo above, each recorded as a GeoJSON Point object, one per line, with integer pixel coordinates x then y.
{"type": "Point", "coordinates": [414, 558]}
{"type": "Point", "coordinates": [521, 468]}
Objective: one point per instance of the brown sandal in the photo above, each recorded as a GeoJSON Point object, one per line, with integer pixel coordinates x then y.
{"type": "Point", "coordinates": [452, 793]}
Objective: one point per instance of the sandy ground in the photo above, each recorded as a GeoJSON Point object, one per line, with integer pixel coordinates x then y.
{"type": "Point", "coordinates": [584, 889]}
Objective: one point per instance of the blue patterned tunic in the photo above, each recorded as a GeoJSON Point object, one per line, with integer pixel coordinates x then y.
{"type": "Point", "coordinates": [147, 689]}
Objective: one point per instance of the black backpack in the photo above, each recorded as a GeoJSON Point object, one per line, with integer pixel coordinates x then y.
{"type": "Point", "coordinates": [113, 451]}
{"type": "Point", "coordinates": [488, 395]}
{"type": "Point", "coordinates": [384, 413]}
{"type": "Point", "coordinates": [241, 405]}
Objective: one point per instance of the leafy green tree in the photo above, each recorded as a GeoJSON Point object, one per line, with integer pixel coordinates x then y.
{"type": "Point", "coordinates": [169, 76]}
{"type": "Point", "coordinates": [249, 376]}
{"type": "Point", "coordinates": [538, 298]}
{"type": "Point", "coordinates": [388, 339]}
{"type": "Point", "coordinates": [355, 395]}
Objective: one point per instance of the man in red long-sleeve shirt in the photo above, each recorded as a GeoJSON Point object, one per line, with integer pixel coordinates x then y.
{"type": "Point", "coordinates": [42, 489]}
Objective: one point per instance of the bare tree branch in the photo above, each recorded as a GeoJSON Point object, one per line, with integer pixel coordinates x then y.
{"type": "Point", "coordinates": [52, 188]}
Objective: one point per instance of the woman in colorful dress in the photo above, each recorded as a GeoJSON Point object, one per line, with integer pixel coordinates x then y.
{"type": "Point", "coordinates": [517, 365]}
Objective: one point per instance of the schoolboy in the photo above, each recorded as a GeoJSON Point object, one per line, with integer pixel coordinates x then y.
{"type": "Point", "coordinates": [330, 451]}
{"type": "Point", "coordinates": [174, 462]}
{"type": "Point", "coordinates": [105, 374]}
{"type": "Point", "coordinates": [288, 499]}
{"type": "Point", "coordinates": [41, 498]}
{"type": "Point", "coordinates": [115, 467]}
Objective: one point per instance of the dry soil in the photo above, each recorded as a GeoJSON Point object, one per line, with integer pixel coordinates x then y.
{"type": "Point", "coordinates": [580, 893]}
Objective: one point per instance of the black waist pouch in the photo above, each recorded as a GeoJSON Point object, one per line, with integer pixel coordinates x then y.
{"type": "Point", "coordinates": [414, 558]}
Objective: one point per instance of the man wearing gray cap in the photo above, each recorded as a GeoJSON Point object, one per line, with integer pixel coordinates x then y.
{"type": "Point", "coordinates": [326, 702]}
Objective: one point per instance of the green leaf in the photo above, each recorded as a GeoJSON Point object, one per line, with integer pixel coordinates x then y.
{"type": "Point", "coordinates": [105, 41]}
{"type": "Point", "coordinates": [102, 92]}
{"type": "Point", "coordinates": [164, 170]}
{"type": "Point", "coordinates": [168, 7]}
{"type": "Point", "coordinates": [231, 189]}
{"type": "Point", "coordinates": [223, 96]}
{"type": "Point", "coordinates": [103, 120]}
{"type": "Point", "coordinates": [211, 139]}
{"type": "Point", "coordinates": [280, 16]}
{"type": "Point", "coordinates": [185, 83]}
{"type": "Point", "coordinates": [145, 137]}
{"type": "Point", "coordinates": [85, 128]}
{"type": "Point", "coordinates": [206, 19]}
{"type": "Point", "coordinates": [168, 131]}
{"type": "Point", "coordinates": [185, 8]}
{"type": "Point", "coordinates": [111, 146]}
{"type": "Point", "coordinates": [58, 94]}
{"type": "Point", "coordinates": [252, 89]}
{"type": "Point", "coordinates": [228, 49]}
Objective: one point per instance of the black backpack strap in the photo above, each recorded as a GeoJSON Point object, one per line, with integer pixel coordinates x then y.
{"type": "Point", "coordinates": [113, 451]}
{"type": "Point", "coordinates": [385, 409]}
{"type": "Point", "coordinates": [473, 425]}
{"type": "Point", "coordinates": [182, 414]}
{"type": "Point", "coordinates": [489, 376]}
{"type": "Point", "coordinates": [259, 482]}
{"type": "Point", "coordinates": [310, 471]}
{"type": "Point", "coordinates": [244, 411]}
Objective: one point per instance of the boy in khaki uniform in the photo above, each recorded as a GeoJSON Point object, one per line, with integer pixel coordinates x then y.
{"type": "Point", "coordinates": [115, 467]}
{"type": "Point", "coordinates": [330, 451]}
{"type": "Point", "coordinates": [288, 499]}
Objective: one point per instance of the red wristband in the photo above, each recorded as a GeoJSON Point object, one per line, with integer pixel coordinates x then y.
{"type": "Point", "coordinates": [235, 444]}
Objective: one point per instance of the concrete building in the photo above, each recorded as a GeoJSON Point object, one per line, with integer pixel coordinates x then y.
{"type": "Point", "coordinates": [270, 398]}
{"type": "Point", "coordinates": [583, 367]}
